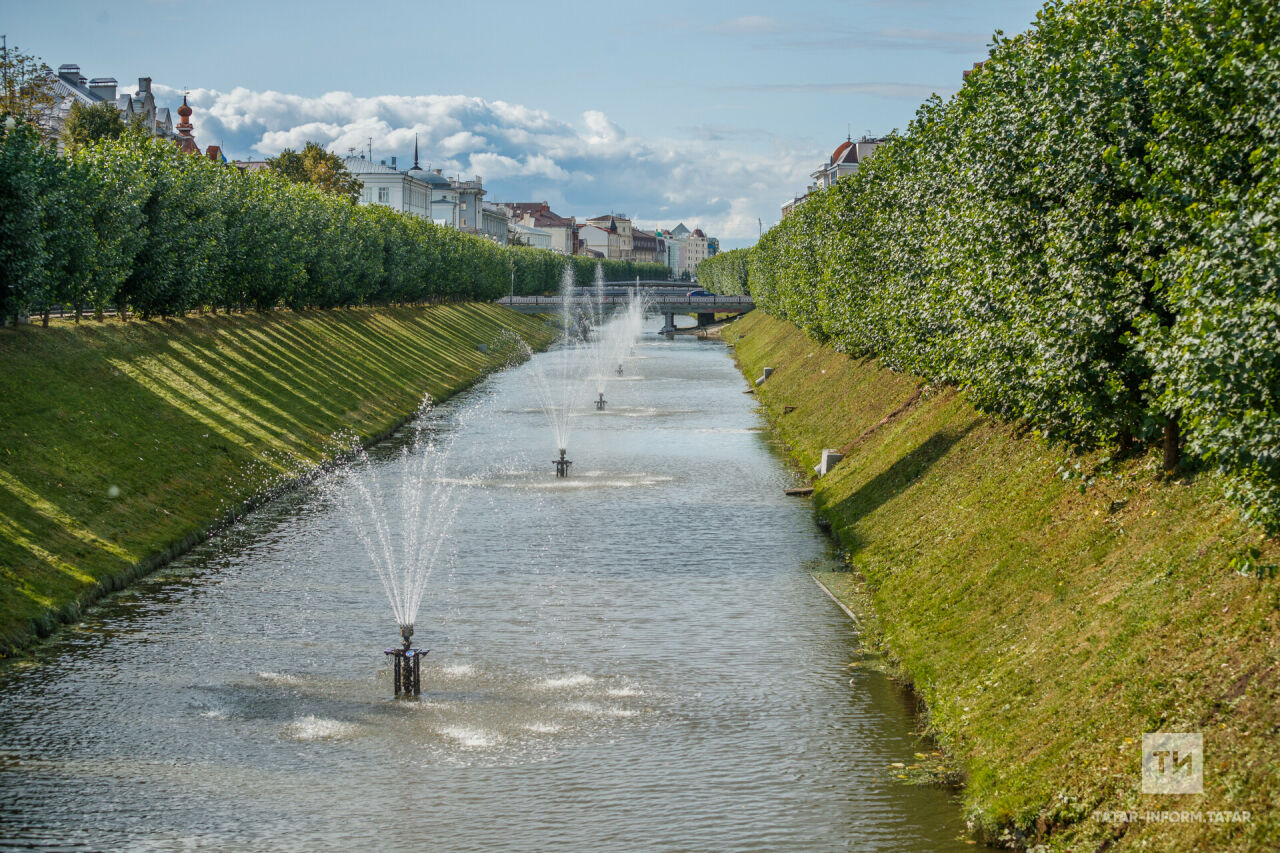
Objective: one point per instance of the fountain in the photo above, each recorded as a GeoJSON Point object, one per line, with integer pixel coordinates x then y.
{"type": "Point", "coordinates": [591, 345]}
{"type": "Point", "coordinates": [562, 465]}
{"type": "Point", "coordinates": [560, 375]}
{"type": "Point", "coordinates": [402, 519]}
{"type": "Point", "coordinates": [407, 665]}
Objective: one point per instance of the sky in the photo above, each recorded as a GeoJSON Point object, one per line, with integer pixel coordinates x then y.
{"type": "Point", "coordinates": [707, 113]}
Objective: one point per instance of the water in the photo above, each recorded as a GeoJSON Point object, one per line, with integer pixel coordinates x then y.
{"type": "Point", "coordinates": [633, 658]}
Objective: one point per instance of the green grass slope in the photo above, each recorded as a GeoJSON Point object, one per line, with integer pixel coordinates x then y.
{"type": "Point", "coordinates": [1046, 628]}
{"type": "Point", "coordinates": [120, 444]}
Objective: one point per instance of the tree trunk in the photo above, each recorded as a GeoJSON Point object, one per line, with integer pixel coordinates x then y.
{"type": "Point", "coordinates": [44, 318]}
{"type": "Point", "coordinates": [1172, 442]}
{"type": "Point", "coordinates": [1125, 441]}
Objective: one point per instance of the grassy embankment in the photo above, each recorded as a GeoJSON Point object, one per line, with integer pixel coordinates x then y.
{"type": "Point", "coordinates": [1045, 628]}
{"type": "Point", "coordinates": [121, 444]}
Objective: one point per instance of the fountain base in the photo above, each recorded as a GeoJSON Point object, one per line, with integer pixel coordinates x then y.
{"type": "Point", "coordinates": [562, 464]}
{"type": "Point", "coordinates": [600, 402]}
{"type": "Point", "coordinates": [407, 663]}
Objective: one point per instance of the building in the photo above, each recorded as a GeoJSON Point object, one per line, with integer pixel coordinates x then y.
{"type": "Point", "coordinates": [621, 226]}
{"type": "Point", "coordinates": [600, 237]}
{"type": "Point", "coordinates": [695, 252]}
{"type": "Point", "coordinates": [844, 160]}
{"type": "Point", "coordinates": [686, 249]}
{"type": "Point", "coordinates": [527, 235]}
{"type": "Point", "coordinates": [644, 246]}
{"type": "Point", "coordinates": [70, 86]}
{"type": "Point", "coordinates": [406, 192]}
{"type": "Point", "coordinates": [186, 140]}
{"type": "Point", "coordinates": [496, 224]}
{"type": "Point", "coordinates": [538, 214]}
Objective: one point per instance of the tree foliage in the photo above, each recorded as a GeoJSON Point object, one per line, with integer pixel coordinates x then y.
{"type": "Point", "coordinates": [26, 89]}
{"type": "Point", "coordinates": [726, 272]}
{"type": "Point", "coordinates": [135, 224]}
{"type": "Point", "coordinates": [1084, 237]}
{"type": "Point", "coordinates": [318, 167]}
{"type": "Point", "coordinates": [88, 124]}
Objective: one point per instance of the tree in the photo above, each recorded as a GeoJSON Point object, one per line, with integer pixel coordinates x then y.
{"type": "Point", "coordinates": [88, 124]}
{"type": "Point", "coordinates": [316, 166]}
{"type": "Point", "coordinates": [26, 89]}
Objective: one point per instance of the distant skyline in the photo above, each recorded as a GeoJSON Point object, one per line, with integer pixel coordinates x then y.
{"type": "Point", "coordinates": [712, 114]}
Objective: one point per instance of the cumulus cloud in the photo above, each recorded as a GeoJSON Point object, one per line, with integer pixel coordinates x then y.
{"type": "Point", "coordinates": [584, 167]}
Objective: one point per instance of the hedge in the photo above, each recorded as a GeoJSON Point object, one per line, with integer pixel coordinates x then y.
{"type": "Point", "coordinates": [1084, 237]}
{"type": "Point", "coordinates": [134, 224]}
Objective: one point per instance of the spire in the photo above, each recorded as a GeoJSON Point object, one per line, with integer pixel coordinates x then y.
{"type": "Point", "coordinates": [184, 123]}
{"type": "Point", "coordinates": [186, 141]}
{"type": "Point", "coordinates": [415, 151]}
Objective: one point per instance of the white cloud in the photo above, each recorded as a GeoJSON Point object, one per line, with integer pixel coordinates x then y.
{"type": "Point", "coordinates": [584, 167]}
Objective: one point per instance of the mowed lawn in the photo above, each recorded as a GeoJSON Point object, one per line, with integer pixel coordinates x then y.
{"type": "Point", "coordinates": [1047, 622]}
{"type": "Point", "coordinates": [120, 440]}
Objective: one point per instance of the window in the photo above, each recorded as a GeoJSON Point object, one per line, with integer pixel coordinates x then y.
{"type": "Point", "coordinates": [384, 195]}
{"type": "Point", "coordinates": [464, 205]}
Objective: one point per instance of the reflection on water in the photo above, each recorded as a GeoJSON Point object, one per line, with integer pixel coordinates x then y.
{"type": "Point", "coordinates": [632, 658]}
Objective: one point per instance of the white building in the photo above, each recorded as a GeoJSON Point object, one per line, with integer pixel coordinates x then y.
{"type": "Point", "coordinates": [70, 86]}
{"type": "Point", "coordinates": [619, 225]}
{"type": "Point", "coordinates": [527, 235]}
{"type": "Point", "coordinates": [538, 214]}
{"type": "Point", "coordinates": [496, 224]}
{"type": "Point", "coordinates": [385, 185]}
{"type": "Point", "coordinates": [843, 161]}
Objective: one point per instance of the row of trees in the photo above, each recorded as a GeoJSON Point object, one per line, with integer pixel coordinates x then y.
{"type": "Point", "coordinates": [135, 225]}
{"type": "Point", "coordinates": [1084, 237]}
{"type": "Point", "coordinates": [726, 272]}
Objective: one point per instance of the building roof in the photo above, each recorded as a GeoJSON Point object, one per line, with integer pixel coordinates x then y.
{"type": "Point", "coordinates": [361, 166]}
{"type": "Point", "coordinates": [846, 152]}
{"type": "Point", "coordinates": [697, 232]}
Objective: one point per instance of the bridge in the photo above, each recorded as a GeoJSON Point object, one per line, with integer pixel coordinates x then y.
{"type": "Point", "coordinates": [668, 301]}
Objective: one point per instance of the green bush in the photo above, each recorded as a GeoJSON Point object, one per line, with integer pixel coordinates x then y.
{"type": "Point", "coordinates": [1084, 237]}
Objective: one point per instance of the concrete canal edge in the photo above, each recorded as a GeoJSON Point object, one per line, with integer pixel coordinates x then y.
{"type": "Point", "coordinates": [1045, 622]}
{"type": "Point", "coordinates": [180, 500]}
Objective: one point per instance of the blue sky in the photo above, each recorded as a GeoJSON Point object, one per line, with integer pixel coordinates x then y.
{"type": "Point", "coordinates": [708, 113]}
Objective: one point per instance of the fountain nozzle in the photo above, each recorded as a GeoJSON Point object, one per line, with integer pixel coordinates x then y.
{"type": "Point", "coordinates": [562, 464]}
{"type": "Point", "coordinates": [406, 661]}
{"type": "Point", "coordinates": [619, 368]}
{"type": "Point", "coordinates": [600, 402]}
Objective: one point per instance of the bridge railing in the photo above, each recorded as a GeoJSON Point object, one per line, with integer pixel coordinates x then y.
{"type": "Point", "coordinates": [622, 300]}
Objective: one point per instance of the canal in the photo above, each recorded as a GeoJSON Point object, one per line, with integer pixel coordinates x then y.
{"type": "Point", "coordinates": [632, 658]}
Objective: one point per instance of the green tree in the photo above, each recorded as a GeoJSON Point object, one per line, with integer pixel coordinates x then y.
{"type": "Point", "coordinates": [316, 166]}
{"type": "Point", "coordinates": [88, 124]}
